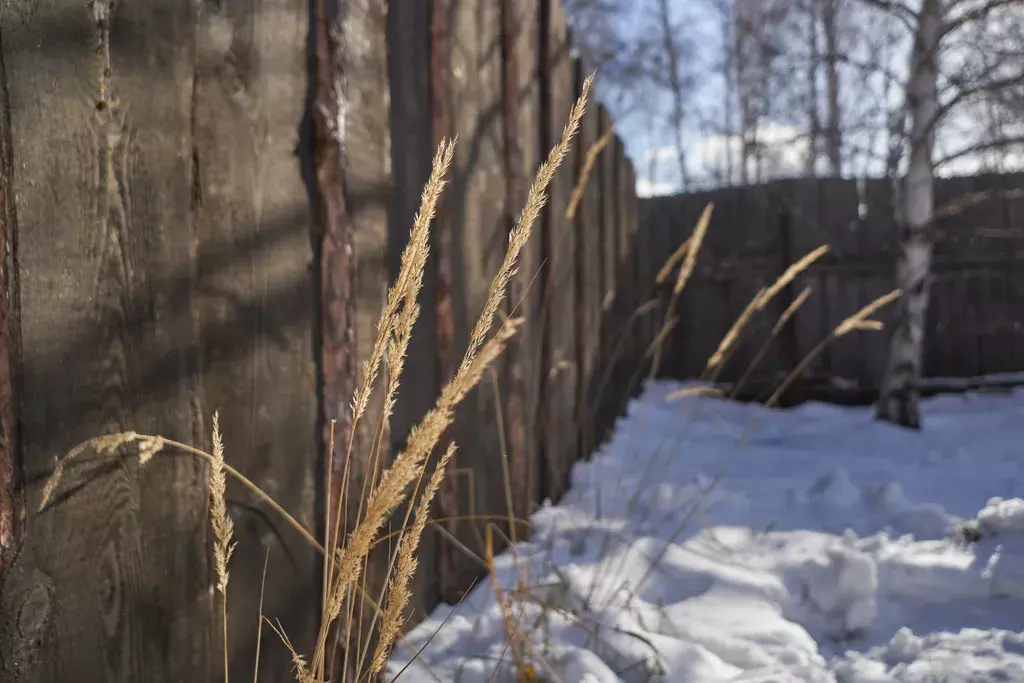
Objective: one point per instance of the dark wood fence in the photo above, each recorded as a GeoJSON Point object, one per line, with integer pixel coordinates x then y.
{"type": "Point", "coordinates": [977, 307]}
{"type": "Point", "coordinates": [173, 247]}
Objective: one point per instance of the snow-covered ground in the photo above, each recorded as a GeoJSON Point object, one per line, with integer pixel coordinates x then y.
{"type": "Point", "coordinates": [825, 547]}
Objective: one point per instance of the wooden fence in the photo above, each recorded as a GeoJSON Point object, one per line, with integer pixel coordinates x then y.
{"type": "Point", "coordinates": [977, 306]}
{"type": "Point", "coordinates": [178, 239]}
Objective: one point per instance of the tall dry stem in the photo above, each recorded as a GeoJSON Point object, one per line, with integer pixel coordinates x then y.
{"type": "Point", "coordinates": [780, 324]}
{"type": "Point", "coordinates": [400, 311]}
{"type": "Point", "coordinates": [398, 594]}
{"type": "Point", "coordinates": [757, 304]}
{"type": "Point", "coordinates": [685, 272]}
{"type": "Point", "coordinates": [480, 352]}
{"type": "Point", "coordinates": [223, 528]}
{"type": "Point", "coordinates": [588, 166]}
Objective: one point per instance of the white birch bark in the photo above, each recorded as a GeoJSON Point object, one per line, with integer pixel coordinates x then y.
{"type": "Point", "coordinates": [898, 402]}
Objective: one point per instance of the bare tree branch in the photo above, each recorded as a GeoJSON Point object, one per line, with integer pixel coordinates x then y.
{"type": "Point", "coordinates": [975, 14]}
{"type": "Point", "coordinates": [985, 146]}
{"type": "Point", "coordinates": [902, 12]}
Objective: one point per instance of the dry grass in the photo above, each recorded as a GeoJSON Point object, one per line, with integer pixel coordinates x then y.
{"type": "Point", "coordinates": [693, 246]}
{"type": "Point", "coordinates": [588, 166]}
{"type": "Point", "coordinates": [223, 529]}
{"type": "Point", "coordinates": [756, 305]}
{"type": "Point", "coordinates": [346, 551]}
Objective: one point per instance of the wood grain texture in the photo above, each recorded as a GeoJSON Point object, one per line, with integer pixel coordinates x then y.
{"type": "Point", "coordinates": [412, 150]}
{"type": "Point", "coordinates": [112, 581]}
{"type": "Point", "coordinates": [559, 374]}
{"type": "Point", "coordinates": [477, 198]}
{"type": "Point", "coordinates": [610, 326]}
{"type": "Point", "coordinates": [588, 227]}
{"type": "Point", "coordinates": [627, 287]}
{"type": "Point", "coordinates": [646, 271]}
{"type": "Point", "coordinates": [443, 246]}
{"type": "Point", "coordinates": [11, 468]}
{"type": "Point", "coordinates": [522, 154]}
{"type": "Point", "coordinates": [200, 242]}
{"type": "Point", "coordinates": [368, 191]}
{"type": "Point", "coordinates": [257, 306]}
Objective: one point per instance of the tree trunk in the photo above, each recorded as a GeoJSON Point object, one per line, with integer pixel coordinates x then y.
{"type": "Point", "coordinates": [675, 83]}
{"type": "Point", "coordinates": [813, 115]}
{"type": "Point", "coordinates": [898, 402]}
{"type": "Point", "coordinates": [834, 135]}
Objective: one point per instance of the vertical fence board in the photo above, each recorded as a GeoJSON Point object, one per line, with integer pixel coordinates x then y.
{"type": "Point", "coordinates": [587, 226]}
{"type": "Point", "coordinates": [664, 243]}
{"type": "Point", "coordinates": [411, 154]}
{"type": "Point", "coordinates": [558, 399]}
{"type": "Point", "coordinates": [477, 211]}
{"type": "Point", "coordinates": [443, 246]}
{"type": "Point", "coordinates": [609, 215]}
{"type": "Point", "coordinates": [12, 501]}
{"type": "Point", "coordinates": [624, 339]}
{"type": "Point", "coordinates": [644, 272]}
{"type": "Point", "coordinates": [609, 262]}
{"type": "Point", "coordinates": [811, 323]}
{"type": "Point", "coordinates": [256, 303]}
{"type": "Point", "coordinates": [104, 201]}
{"type": "Point", "coordinates": [639, 296]}
{"type": "Point", "coordinates": [522, 152]}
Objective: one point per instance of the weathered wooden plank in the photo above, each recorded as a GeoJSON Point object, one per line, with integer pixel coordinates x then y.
{"type": "Point", "coordinates": [111, 582]}
{"type": "Point", "coordinates": [705, 308]}
{"type": "Point", "coordinates": [661, 240]}
{"type": "Point", "coordinates": [1000, 339]}
{"type": "Point", "coordinates": [812, 323]}
{"type": "Point", "coordinates": [1015, 291]}
{"type": "Point", "coordinates": [609, 215]}
{"type": "Point", "coordinates": [522, 156]}
{"type": "Point", "coordinates": [609, 245]}
{"type": "Point", "coordinates": [257, 305]}
{"type": "Point", "coordinates": [639, 296]}
{"type": "Point", "coordinates": [445, 579]}
{"type": "Point", "coordinates": [367, 183]}
{"type": "Point", "coordinates": [624, 341]}
{"type": "Point", "coordinates": [11, 499]}
{"type": "Point", "coordinates": [589, 269]}
{"type": "Point", "coordinates": [784, 354]}
{"type": "Point", "coordinates": [479, 234]}
{"type": "Point", "coordinates": [645, 271]}
{"type": "Point", "coordinates": [558, 398]}
{"type": "Point", "coordinates": [412, 149]}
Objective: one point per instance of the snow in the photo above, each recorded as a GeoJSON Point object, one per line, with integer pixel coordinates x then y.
{"type": "Point", "coordinates": [717, 541]}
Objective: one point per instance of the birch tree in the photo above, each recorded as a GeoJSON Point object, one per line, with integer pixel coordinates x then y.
{"type": "Point", "coordinates": [934, 25]}
{"type": "Point", "coordinates": [833, 126]}
{"type": "Point", "coordinates": [898, 402]}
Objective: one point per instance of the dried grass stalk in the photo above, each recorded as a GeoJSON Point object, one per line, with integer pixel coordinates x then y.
{"type": "Point", "coordinates": [689, 263]}
{"type": "Point", "coordinates": [673, 261]}
{"type": "Point", "coordinates": [480, 352]}
{"type": "Point", "coordinates": [398, 592]}
{"type": "Point", "coordinates": [588, 166]}
{"type": "Point", "coordinates": [791, 311]}
{"type": "Point", "coordinates": [687, 392]}
{"type": "Point", "coordinates": [759, 303]}
{"type": "Point", "coordinates": [223, 528]}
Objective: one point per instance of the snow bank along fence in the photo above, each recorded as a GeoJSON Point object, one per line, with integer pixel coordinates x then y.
{"type": "Point", "coordinates": [977, 307]}
{"type": "Point", "coordinates": [177, 241]}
